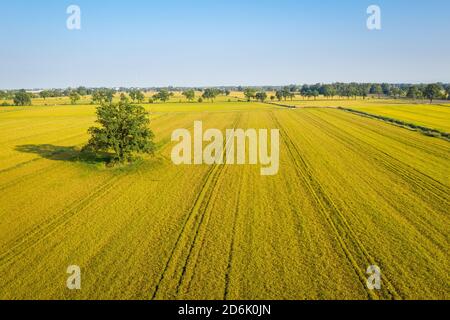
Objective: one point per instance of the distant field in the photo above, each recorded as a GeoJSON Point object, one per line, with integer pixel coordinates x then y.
{"type": "Point", "coordinates": [430, 116]}
{"type": "Point", "coordinates": [433, 116]}
{"type": "Point", "coordinates": [351, 192]}
{"type": "Point", "coordinates": [86, 100]}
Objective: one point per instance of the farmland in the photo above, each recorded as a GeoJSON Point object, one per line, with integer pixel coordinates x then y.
{"type": "Point", "coordinates": [351, 192]}
{"type": "Point", "coordinates": [433, 116]}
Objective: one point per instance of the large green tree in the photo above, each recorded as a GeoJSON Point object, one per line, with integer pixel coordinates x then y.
{"type": "Point", "coordinates": [123, 129]}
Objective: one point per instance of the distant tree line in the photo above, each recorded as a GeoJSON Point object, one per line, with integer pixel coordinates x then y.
{"type": "Point", "coordinates": [352, 91]}
{"type": "Point", "coordinates": [430, 92]}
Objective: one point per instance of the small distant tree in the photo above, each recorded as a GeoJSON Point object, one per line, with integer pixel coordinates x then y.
{"type": "Point", "coordinates": [447, 91]}
{"type": "Point", "coordinates": [378, 90]}
{"type": "Point", "coordinates": [189, 94]}
{"type": "Point", "coordinates": [396, 92]}
{"type": "Point", "coordinates": [327, 91]}
{"type": "Point", "coordinates": [123, 129]}
{"type": "Point", "coordinates": [413, 92]}
{"type": "Point", "coordinates": [291, 95]}
{"type": "Point", "coordinates": [74, 97]}
{"type": "Point", "coordinates": [432, 91]}
{"type": "Point", "coordinates": [386, 87]}
{"type": "Point", "coordinates": [210, 94]}
{"type": "Point", "coordinates": [279, 95]}
{"type": "Point", "coordinates": [163, 95]}
{"type": "Point", "coordinates": [305, 91]}
{"type": "Point", "coordinates": [132, 95]}
{"type": "Point", "coordinates": [103, 95]}
{"type": "Point", "coordinates": [286, 92]}
{"type": "Point", "coordinates": [261, 96]}
{"type": "Point", "coordinates": [227, 92]}
{"type": "Point", "coordinates": [109, 94]}
{"type": "Point", "coordinates": [250, 93]}
{"type": "Point", "coordinates": [364, 90]}
{"type": "Point", "coordinates": [44, 94]}
{"type": "Point", "coordinates": [22, 98]}
{"type": "Point", "coordinates": [82, 91]}
{"type": "Point", "coordinates": [98, 97]}
{"type": "Point", "coordinates": [123, 97]}
{"type": "Point", "coordinates": [272, 98]}
{"type": "Point", "coordinates": [200, 100]}
{"type": "Point", "coordinates": [140, 97]}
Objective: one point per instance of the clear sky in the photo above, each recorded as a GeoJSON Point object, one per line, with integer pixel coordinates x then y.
{"type": "Point", "coordinates": [221, 42]}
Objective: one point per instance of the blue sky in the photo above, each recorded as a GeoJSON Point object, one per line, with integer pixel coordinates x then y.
{"type": "Point", "coordinates": [221, 42]}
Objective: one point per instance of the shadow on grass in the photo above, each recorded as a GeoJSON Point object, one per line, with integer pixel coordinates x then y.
{"type": "Point", "coordinates": [69, 154]}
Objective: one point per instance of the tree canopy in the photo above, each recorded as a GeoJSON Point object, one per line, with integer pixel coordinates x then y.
{"type": "Point", "coordinates": [163, 95]}
{"type": "Point", "coordinates": [210, 93]}
{"type": "Point", "coordinates": [261, 96]}
{"type": "Point", "coordinates": [432, 91]}
{"type": "Point", "coordinates": [123, 129]}
{"type": "Point", "coordinates": [74, 97]}
{"type": "Point", "coordinates": [189, 94]}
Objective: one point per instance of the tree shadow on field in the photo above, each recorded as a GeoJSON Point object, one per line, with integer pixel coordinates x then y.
{"type": "Point", "coordinates": [69, 154]}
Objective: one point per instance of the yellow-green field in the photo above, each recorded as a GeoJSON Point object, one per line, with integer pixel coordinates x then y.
{"type": "Point", "coordinates": [433, 116]}
{"type": "Point", "coordinates": [351, 192]}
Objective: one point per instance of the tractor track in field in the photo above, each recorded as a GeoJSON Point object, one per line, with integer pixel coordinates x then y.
{"type": "Point", "coordinates": [28, 128]}
{"type": "Point", "coordinates": [232, 242]}
{"type": "Point", "coordinates": [421, 226]}
{"type": "Point", "coordinates": [215, 186]}
{"type": "Point", "coordinates": [19, 165]}
{"type": "Point", "coordinates": [335, 218]}
{"type": "Point", "coordinates": [363, 123]}
{"type": "Point", "coordinates": [192, 257]}
{"type": "Point", "coordinates": [36, 172]}
{"type": "Point", "coordinates": [386, 161]}
{"type": "Point", "coordinates": [426, 183]}
{"type": "Point", "coordinates": [45, 133]}
{"type": "Point", "coordinates": [358, 123]}
{"type": "Point", "coordinates": [191, 226]}
{"type": "Point", "coordinates": [40, 233]}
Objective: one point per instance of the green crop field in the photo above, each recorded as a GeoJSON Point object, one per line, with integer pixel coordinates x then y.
{"type": "Point", "coordinates": [351, 192]}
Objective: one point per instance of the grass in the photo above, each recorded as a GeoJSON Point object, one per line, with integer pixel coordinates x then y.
{"type": "Point", "coordinates": [351, 192]}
